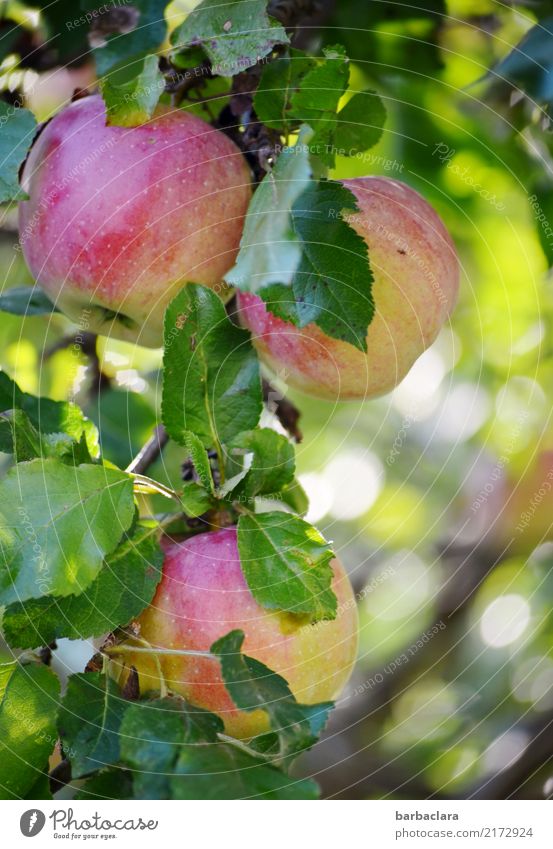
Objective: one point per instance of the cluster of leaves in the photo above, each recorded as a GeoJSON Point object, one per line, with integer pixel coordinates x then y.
{"type": "Point", "coordinates": [152, 748]}
{"type": "Point", "coordinates": [77, 561]}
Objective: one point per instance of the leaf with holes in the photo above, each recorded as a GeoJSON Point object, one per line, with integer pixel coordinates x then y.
{"type": "Point", "coordinates": [234, 34]}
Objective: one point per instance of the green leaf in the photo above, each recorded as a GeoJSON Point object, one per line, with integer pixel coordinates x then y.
{"type": "Point", "coordinates": [278, 83]}
{"type": "Point", "coordinates": [270, 462]}
{"type": "Point", "coordinates": [196, 500]}
{"type": "Point", "coordinates": [316, 101]}
{"type": "Point", "coordinates": [26, 300]}
{"type": "Point", "coordinates": [111, 783]}
{"type": "Point", "coordinates": [360, 123]}
{"type": "Point", "coordinates": [333, 283]}
{"type": "Point", "coordinates": [224, 771]}
{"type": "Point", "coordinates": [286, 563]}
{"type": "Point", "coordinates": [321, 87]}
{"type": "Point", "coordinates": [144, 31]}
{"type": "Point", "coordinates": [124, 587]}
{"type": "Point", "coordinates": [211, 383]}
{"type": "Point", "coordinates": [529, 66]}
{"type": "Point", "coordinates": [200, 459]}
{"type": "Point", "coordinates": [131, 91]}
{"type": "Point", "coordinates": [252, 686]}
{"type": "Point", "coordinates": [270, 251]}
{"type": "Point", "coordinates": [28, 707]}
{"type": "Point", "coordinates": [152, 735]}
{"type": "Point", "coordinates": [17, 130]}
{"type": "Point", "coordinates": [58, 522]}
{"type": "Point", "coordinates": [41, 787]}
{"type": "Point", "coordinates": [66, 33]}
{"type": "Point", "coordinates": [280, 301]}
{"type": "Point", "coordinates": [234, 34]}
{"type": "Point", "coordinates": [47, 416]}
{"type": "Point", "coordinates": [295, 497]}
{"type": "Point", "coordinates": [89, 721]}
{"type": "Point", "coordinates": [299, 89]}
{"type": "Point", "coordinates": [19, 437]}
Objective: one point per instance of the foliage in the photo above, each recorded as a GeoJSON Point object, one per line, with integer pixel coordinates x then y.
{"type": "Point", "coordinates": [427, 95]}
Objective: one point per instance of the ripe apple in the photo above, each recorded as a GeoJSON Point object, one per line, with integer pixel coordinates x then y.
{"type": "Point", "coordinates": [416, 279]}
{"type": "Point", "coordinates": [202, 596]}
{"type": "Point", "coordinates": [119, 219]}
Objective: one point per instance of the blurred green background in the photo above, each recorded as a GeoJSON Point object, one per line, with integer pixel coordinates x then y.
{"type": "Point", "coordinates": [453, 691]}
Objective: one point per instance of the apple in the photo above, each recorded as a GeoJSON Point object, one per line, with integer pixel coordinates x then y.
{"type": "Point", "coordinates": [201, 597]}
{"type": "Point", "coordinates": [119, 219]}
{"type": "Point", "coordinates": [416, 280]}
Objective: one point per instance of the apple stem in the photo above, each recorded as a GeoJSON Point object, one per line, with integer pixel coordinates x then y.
{"type": "Point", "coordinates": [126, 649]}
{"type": "Point", "coordinates": [225, 738]}
{"type": "Point", "coordinates": [149, 485]}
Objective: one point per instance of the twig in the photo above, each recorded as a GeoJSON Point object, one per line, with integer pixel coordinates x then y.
{"type": "Point", "coordinates": [149, 453]}
{"type": "Point", "coordinates": [538, 754]}
{"type": "Point", "coordinates": [286, 412]}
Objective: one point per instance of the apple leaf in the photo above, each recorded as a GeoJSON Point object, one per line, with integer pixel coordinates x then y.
{"type": "Point", "coordinates": [211, 383]}
{"type": "Point", "coordinates": [58, 524]}
{"type": "Point", "coordinates": [124, 587]}
{"type": "Point", "coordinates": [234, 34]}
{"type": "Point", "coordinates": [268, 459]}
{"type": "Point", "coordinates": [359, 124]}
{"type": "Point", "coordinates": [280, 80]}
{"type": "Point", "coordinates": [66, 34]}
{"type": "Point", "coordinates": [142, 30]}
{"type": "Point", "coordinates": [253, 686]}
{"type": "Point", "coordinates": [131, 91]}
{"type": "Point", "coordinates": [17, 130]}
{"type": "Point", "coordinates": [111, 783]}
{"type": "Point", "coordinates": [528, 67]}
{"type": "Point", "coordinates": [224, 771]}
{"type": "Point", "coordinates": [286, 563]}
{"type": "Point", "coordinates": [300, 254]}
{"type": "Point", "coordinates": [196, 500]}
{"type": "Point", "coordinates": [18, 436]}
{"type": "Point", "coordinates": [294, 495]}
{"type": "Point", "coordinates": [299, 89]}
{"type": "Point", "coordinates": [47, 416]}
{"type": "Point", "coordinates": [333, 283]}
{"type": "Point", "coordinates": [89, 721]}
{"type": "Point", "coordinates": [270, 251]}
{"type": "Point", "coordinates": [28, 707]}
{"type": "Point", "coordinates": [152, 735]}
{"type": "Point", "coordinates": [27, 301]}
{"type": "Point", "coordinates": [200, 459]}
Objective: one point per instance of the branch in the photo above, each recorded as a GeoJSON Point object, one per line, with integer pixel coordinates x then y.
{"type": "Point", "coordinates": [286, 412]}
{"type": "Point", "coordinates": [149, 453]}
{"type": "Point", "coordinates": [538, 754]}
